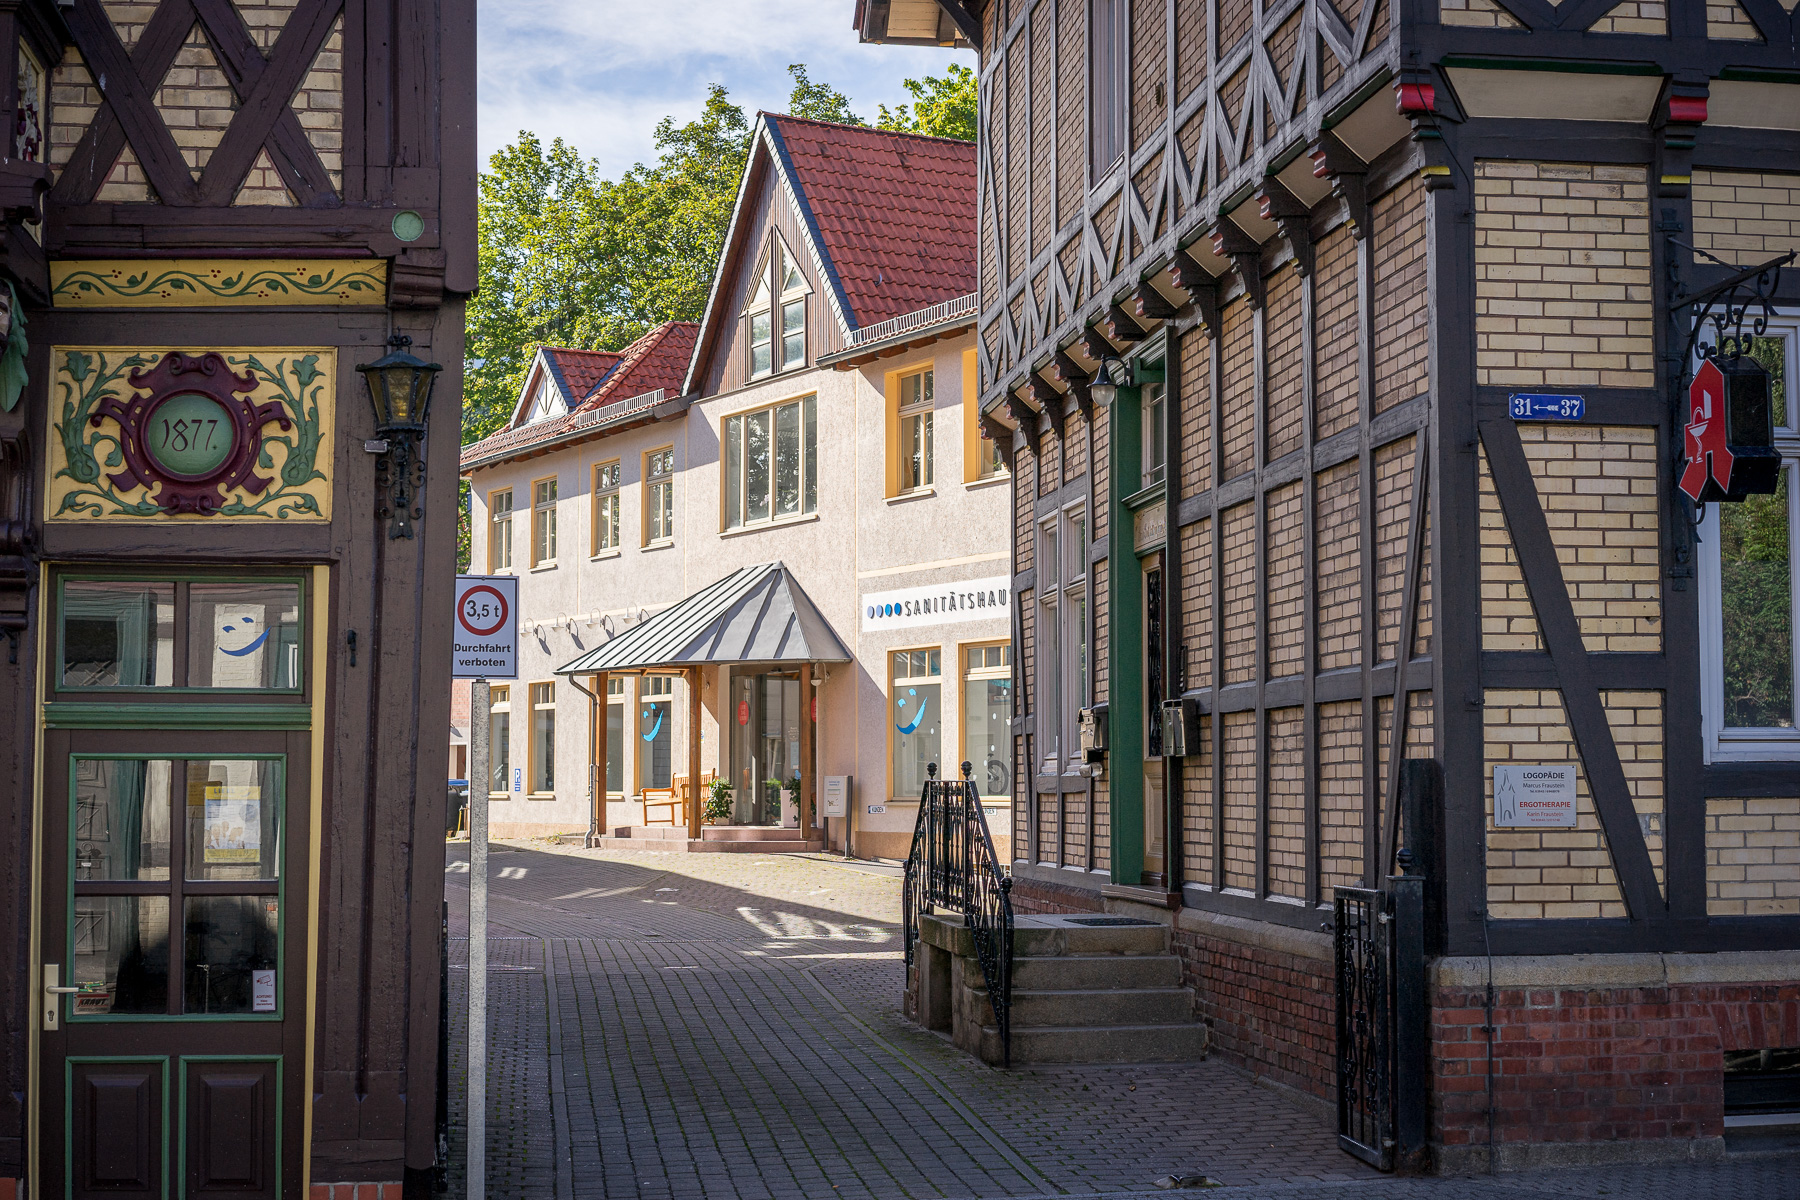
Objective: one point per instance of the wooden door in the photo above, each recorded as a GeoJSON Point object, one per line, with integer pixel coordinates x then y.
{"type": "Point", "coordinates": [174, 893]}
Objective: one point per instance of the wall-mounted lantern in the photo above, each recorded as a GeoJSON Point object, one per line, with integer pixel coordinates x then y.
{"type": "Point", "coordinates": [1109, 376]}
{"type": "Point", "coordinates": [1730, 435]}
{"type": "Point", "coordinates": [400, 392]}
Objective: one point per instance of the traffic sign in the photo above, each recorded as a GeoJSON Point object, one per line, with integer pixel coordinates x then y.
{"type": "Point", "coordinates": [485, 639]}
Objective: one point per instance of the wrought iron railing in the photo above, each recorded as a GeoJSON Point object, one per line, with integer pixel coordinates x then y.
{"type": "Point", "coordinates": [953, 866]}
{"type": "Point", "coordinates": [1365, 1045]}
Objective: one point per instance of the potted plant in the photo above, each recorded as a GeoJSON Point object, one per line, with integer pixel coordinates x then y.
{"type": "Point", "coordinates": [790, 803]}
{"type": "Point", "coordinates": [718, 802]}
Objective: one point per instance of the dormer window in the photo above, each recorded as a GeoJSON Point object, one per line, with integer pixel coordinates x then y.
{"type": "Point", "coordinates": [545, 402]}
{"type": "Point", "coordinates": [779, 300]}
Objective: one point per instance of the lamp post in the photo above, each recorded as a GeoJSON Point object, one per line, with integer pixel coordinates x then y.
{"type": "Point", "coordinates": [400, 388]}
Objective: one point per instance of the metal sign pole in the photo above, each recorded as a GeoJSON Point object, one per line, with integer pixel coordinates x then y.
{"type": "Point", "coordinates": [480, 709]}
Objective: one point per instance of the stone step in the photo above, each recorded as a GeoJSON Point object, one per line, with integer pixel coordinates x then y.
{"type": "Point", "coordinates": [1072, 972]}
{"type": "Point", "coordinates": [789, 845]}
{"type": "Point", "coordinates": [654, 833]}
{"type": "Point", "coordinates": [749, 833]}
{"type": "Point", "coordinates": [1039, 937]}
{"type": "Point", "coordinates": [1098, 1044]}
{"type": "Point", "coordinates": [1118, 1007]}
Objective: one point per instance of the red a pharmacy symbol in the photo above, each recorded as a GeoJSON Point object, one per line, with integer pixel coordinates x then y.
{"type": "Point", "coordinates": [1706, 433]}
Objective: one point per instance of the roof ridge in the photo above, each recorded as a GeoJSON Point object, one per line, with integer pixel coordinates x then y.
{"type": "Point", "coordinates": [924, 137]}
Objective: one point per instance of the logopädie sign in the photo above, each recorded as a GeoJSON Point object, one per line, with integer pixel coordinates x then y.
{"type": "Point", "coordinates": [484, 640]}
{"type": "Point", "coordinates": [1534, 796]}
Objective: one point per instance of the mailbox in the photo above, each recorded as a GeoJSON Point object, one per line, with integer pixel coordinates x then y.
{"type": "Point", "coordinates": [1180, 727]}
{"type": "Point", "coordinates": [837, 796]}
{"type": "Point", "coordinates": [1092, 727]}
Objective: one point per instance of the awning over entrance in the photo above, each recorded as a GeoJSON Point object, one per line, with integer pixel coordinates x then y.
{"type": "Point", "coordinates": [759, 614]}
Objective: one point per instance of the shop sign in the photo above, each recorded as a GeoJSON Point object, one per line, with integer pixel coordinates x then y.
{"type": "Point", "coordinates": [938, 604]}
{"type": "Point", "coordinates": [1534, 796]}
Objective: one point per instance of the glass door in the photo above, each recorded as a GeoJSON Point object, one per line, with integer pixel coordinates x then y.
{"type": "Point", "coordinates": [1155, 815]}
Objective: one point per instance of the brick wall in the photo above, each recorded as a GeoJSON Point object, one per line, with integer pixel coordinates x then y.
{"type": "Point", "coordinates": [1625, 1064]}
{"type": "Point", "coordinates": [1238, 440]}
{"type": "Point", "coordinates": [1268, 995]}
{"type": "Point", "coordinates": [1562, 275]}
{"type": "Point", "coordinates": [1482, 14]}
{"type": "Point", "coordinates": [1238, 620]}
{"type": "Point", "coordinates": [1197, 810]}
{"type": "Point", "coordinates": [1241, 796]}
{"type": "Point", "coordinates": [1335, 313]}
{"type": "Point", "coordinates": [1285, 401]}
{"type": "Point", "coordinates": [1393, 526]}
{"type": "Point", "coordinates": [1343, 811]}
{"type": "Point", "coordinates": [1284, 588]}
{"type": "Point", "coordinates": [1727, 19]}
{"type": "Point", "coordinates": [1287, 802]}
{"type": "Point", "coordinates": [1749, 214]}
{"type": "Point", "coordinates": [1337, 568]}
{"type": "Point", "coordinates": [1648, 17]}
{"type": "Point", "coordinates": [1753, 858]}
{"type": "Point", "coordinates": [1402, 340]}
{"type": "Point", "coordinates": [1508, 621]}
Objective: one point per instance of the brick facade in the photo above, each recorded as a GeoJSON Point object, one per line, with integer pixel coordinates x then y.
{"type": "Point", "coordinates": [1742, 214]}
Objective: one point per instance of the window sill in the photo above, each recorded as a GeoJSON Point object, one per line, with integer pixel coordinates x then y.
{"type": "Point", "coordinates": [544, 566]}
{"type": "Point", "coordinates": [541, 796]}
{"type": "Point", "coordinates": [665, 544]}
{"type": "Point", "coordinates": [763, 526]}
{"type": "Point", "coordinates": [975, 485]}
{"type": "Point", "coordinates": [916, 494]}
{"type": "Point", "coordinates": [605, 554]}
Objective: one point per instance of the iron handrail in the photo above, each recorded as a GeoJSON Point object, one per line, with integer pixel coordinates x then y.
{"type": "Point", "coordinates": [952, 865]}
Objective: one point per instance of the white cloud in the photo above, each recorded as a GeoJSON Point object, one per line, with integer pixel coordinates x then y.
{"type": "Point", "coordinates": [600, 76]}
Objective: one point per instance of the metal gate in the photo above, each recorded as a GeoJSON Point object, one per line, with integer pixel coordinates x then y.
{"type": "Point", "coordinates": [1365, 1024]}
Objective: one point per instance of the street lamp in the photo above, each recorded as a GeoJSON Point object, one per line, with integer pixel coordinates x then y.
{"type": "Point", "coordinates": [400, 392]}
{"type": "Point", "coordinates": [1109, 376]}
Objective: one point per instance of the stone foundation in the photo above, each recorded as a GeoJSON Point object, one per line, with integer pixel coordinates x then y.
{"type": "Point", "coordinates": [355, 1191]}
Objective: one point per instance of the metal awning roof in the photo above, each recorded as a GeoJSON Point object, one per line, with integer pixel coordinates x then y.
{"type": "Point", "coordinates": [758, 614]}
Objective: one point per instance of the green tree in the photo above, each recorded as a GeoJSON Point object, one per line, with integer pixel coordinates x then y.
{"type": "Point", "coordinates": [818, 101]}
{"type": "Point", "coordinates": [946, 106]}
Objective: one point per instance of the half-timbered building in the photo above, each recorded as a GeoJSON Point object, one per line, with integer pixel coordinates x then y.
{"type": "Point", "coordinates": [1351, 360]}
{"type": "Point", "coordinates": [224, 589]}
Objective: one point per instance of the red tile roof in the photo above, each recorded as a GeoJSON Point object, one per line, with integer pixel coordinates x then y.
{"type": "Point", "coordinates": [894, 213]}
{"type": "Point", "coordinates": [577, 371]}
{"type": "Point", "coordinates": [659, 359]}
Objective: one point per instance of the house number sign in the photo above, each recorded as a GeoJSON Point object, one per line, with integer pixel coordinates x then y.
{"type": "Point", "coordinates": [1545, 406]}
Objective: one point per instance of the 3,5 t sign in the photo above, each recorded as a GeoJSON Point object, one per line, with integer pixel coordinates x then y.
{"type": "Point", "coordinates": [485, 638]}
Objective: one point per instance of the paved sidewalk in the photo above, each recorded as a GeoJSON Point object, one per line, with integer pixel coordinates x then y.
{"type": "Point", "coordinates": [726, 1026]}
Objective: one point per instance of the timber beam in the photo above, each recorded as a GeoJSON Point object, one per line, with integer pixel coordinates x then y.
{"type": "Point", "coordinates": [1291, 213]}
{"type": "Point", "coordinates": [1245, 252]}
{"type": "Point", "coordinates": [1348, 174]}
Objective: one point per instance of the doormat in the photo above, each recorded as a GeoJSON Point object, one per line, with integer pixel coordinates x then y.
{"type": "Point", "coordinates": [1108, 921]}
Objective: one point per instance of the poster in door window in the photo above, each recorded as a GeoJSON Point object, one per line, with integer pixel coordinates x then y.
{"type": "Point", "coordinates": [233, 821]}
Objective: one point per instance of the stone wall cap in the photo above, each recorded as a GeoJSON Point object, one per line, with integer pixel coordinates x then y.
{"type": "Point", "coordinates": [1265, 935]}
{"type": "Point", "coordinates": [1620, 970]}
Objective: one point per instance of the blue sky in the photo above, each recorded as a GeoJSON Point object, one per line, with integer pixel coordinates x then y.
{"type": "Point", "coordinates": [600, 74]}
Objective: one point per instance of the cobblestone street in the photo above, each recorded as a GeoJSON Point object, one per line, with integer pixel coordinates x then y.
{"type": "Point", "coordinates": [721, 1026]}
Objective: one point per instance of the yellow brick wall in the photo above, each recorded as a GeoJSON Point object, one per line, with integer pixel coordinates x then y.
{"type": "Point", "coordinates": [1741, 214]}
{"type": "Point", "coordinates": [1400, 302]}
{"type": "Point", "coordinates": [1047, 832]}
{"type": "Point", "coordinates": [197, 104]}
{"type": "Point", "coordinates": [1508, 621]}
{"type": "Point", "coordinates": [1238, 621]}
{"type": "Point", "coordinates": [1635, 16]}
{"type": "Point", "coordinates": [1285, 584]}
{"type": "Point", "coordinates": [1337, 562]}
{"type": "Point", "coordinates": [1196, 413]}
{"type": "Point", "coordinates": [1753, 856]}
{"type": "Point", "coordinates": [1597, 484]}
{"type": "Point", "coordinates": [1287, 803]}
{"type": "Point", "coordinates": [1196, 601]}
{"type": "Point", "coordinates": [1240, 800]}
{"type": "Point", "coordinates": [1563, 294]}
{"type": "Point", "coordinates": [1568, 872]}
{"type": "Point", "coordinates": [1727, 19]}
{"type": "Point", "coordinates": [1075, 831]}
{"type": "Point", "coordinates": [1481, 14]}
{"type": "Point", "coordinates": [1238, 378]}
{"type": "Point", "coordinates": [1335, 312]}
{"type": "Point", "coordinates": [1342, 809]}
{"type": "Point", "coordinates": [1543, 872]}
{"type": "Point", "coordinates": [1197, 809]}
{"type": "Point", "coordinates": [1283, 328]}
{"type": "Point", "coordinates": [1393, 517]}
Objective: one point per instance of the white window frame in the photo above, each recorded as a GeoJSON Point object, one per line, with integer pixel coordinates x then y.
{"type": "Point", "coordinates": [607, 505]}
{"type": "Point", "coordinates": [543, 522]}
{"type": "Point", "coordinates": [1723, 744]}
{"type": "Point", "coordinates": [659, 497]}
{"type": "Point", "coordinates": [500, 531]}
{"type": "Point", "coordinates": [1154, 460]}
{"type": "Point", "coordinates": [804, 406]}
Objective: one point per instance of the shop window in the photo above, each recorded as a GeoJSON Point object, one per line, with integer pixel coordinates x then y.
{"type": "Point", "coordinates": [1750, 601]}
{"type": "Point", "coordinates": [659, 496]}
{"type": "Point", "coordinates": [770, 462]}
{"type": "Point", "coordinates": [500, 515]}
{"type": "Point", "coordinates": [606, 507]}
{"type": "Point", "coordinates": [656, 710]}
{"type": "Point", "coordinates": [914, 448]}
{"type": "Point", "coordinates": [987, 716]}
{"type": "Point", "coordinates": [1155, 434]}
{"type": "Point", "coordinates": [916, 696]}
{"type": "Point", "coordinates": [1062, 644]}
{"type": "Point", "coordinates": [500, 743]}
{"type": "Point", "coordinates": [543, 523]}
{"type": "Point", "coordinates": [543, 738]}
{"type": "Point", "coordinates": [1109, 77]}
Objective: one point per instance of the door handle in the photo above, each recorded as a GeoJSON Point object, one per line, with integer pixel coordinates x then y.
{"type": "Point", "coordinates": [53, 989]}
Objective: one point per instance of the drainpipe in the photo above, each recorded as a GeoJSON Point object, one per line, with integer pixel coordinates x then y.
{"type": "Point", "coordinates": [595, 713]}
